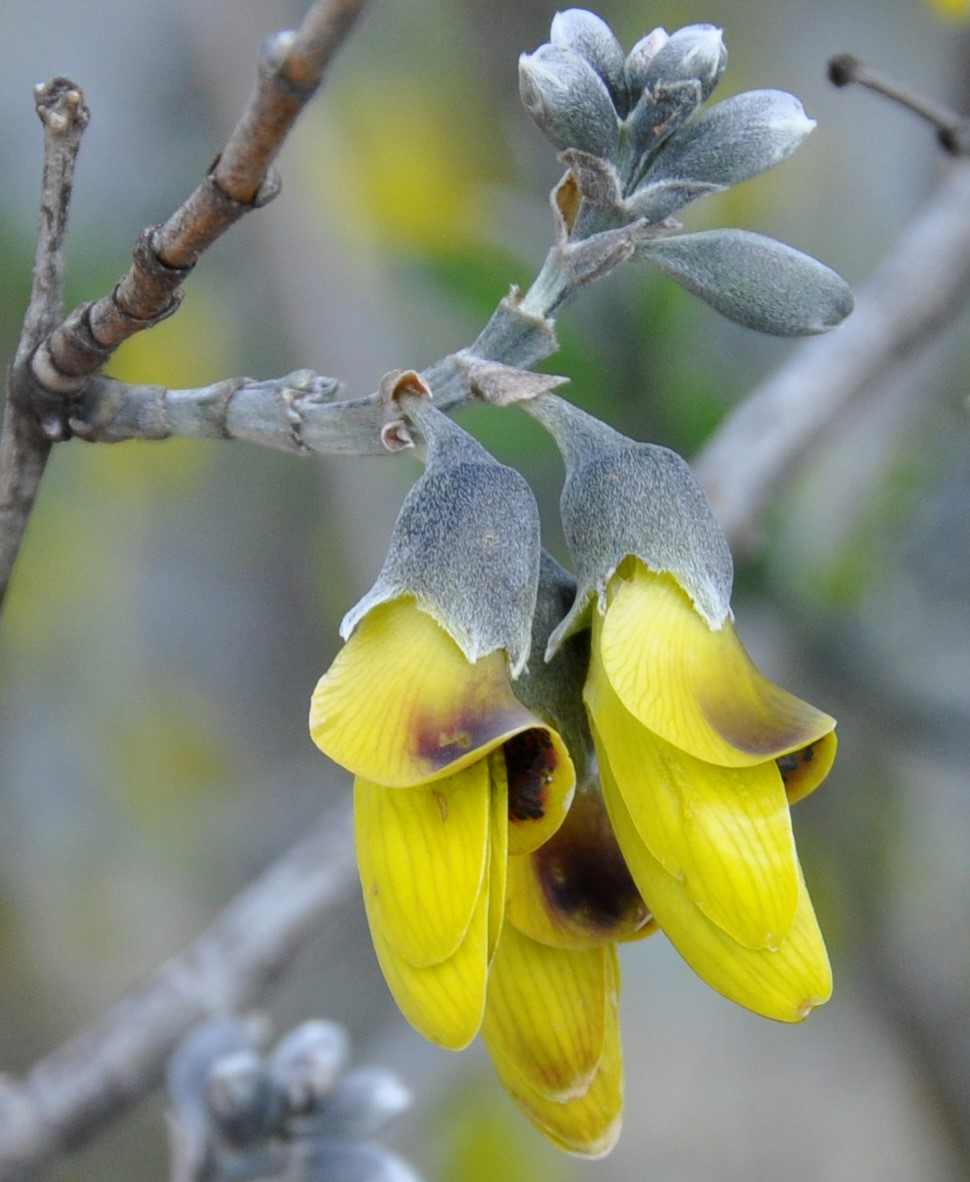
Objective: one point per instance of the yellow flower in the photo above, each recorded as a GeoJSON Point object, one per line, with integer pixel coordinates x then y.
{"type": "Point", "coordinates": [551, 1022]}
{"type": "Point", "coordinates": [700, 757]}
{"type": "Point", "coordinates": [453, 774]}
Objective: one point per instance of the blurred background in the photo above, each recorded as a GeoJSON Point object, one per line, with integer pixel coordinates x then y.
{"type": "Point", "coordinates": [176, 602]}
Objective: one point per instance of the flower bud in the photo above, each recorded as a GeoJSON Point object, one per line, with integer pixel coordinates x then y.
{"type": "Point", "coordinates": [639, 58]}
{"type": "Point", "coordinates": [592, 38]}
{"type": "Point", "coordinates": [679, 77]}
{"type": "Point", "coordinates": [626, 499]}
{"type": "Point", "coordinates": [569, 101]}
{"type": "Point", "coordinates": [730, 143]}
{"type": "Point", "coordinates": [465, 546]}
{"type": "Point", "coordinates": [306, 1062]}
{"type": "Point", "coordinates": [364, 1101]}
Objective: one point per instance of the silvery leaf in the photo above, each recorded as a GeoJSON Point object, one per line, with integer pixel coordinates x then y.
{"type": "Point", "coordinates": [754, 280]}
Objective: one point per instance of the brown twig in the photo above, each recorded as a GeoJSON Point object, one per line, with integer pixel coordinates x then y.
{"type": "Point", "coordinates": [952, 130]}
{"type": "Point", "coordinates": [24, 443]}
{"type": "Point", "coordinates": [104, 1070]}
{"type": "Point", "coordinates": [291, 68]}
{"type": "Point", "coordinates": [56, 360]}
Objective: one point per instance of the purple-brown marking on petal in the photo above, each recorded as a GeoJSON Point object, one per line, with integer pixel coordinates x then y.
{"type": "Point", "coordinates": [584, 877]}
{"type": "Point", "coordinates": [474, 726]}
{"type": "Point", "coordinates": [531, 762]}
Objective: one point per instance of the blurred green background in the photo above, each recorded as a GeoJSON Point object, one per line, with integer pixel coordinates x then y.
{"type": "Point", "coordinates": [175, 603]}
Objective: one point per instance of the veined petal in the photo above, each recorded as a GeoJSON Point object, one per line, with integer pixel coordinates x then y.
{"type": "Point", "coordinates": [541, 780]}
{"type": "Point", "coordinates": [400, 705]}
{"type": "Point", "coordinates": [576, 891]}
{"type": "Point", "coordinates": [785, 984]}
{"type": "Point", "coordinates": [444, 1002]}
{"type": "Point", "coordinates": [546, 1013]}
{"type": "Point", "coordinates": [498, 842]}
{"type": "Point", "coordinates": [589, 1123]}
{"type": "Point", "coordinates": [421, 853]}
{"type": "Point", "coordinates": [802, 771]}
{"type": "Point", "coordinates": [696, 688]}
{"type": "Point", "coordinates": [724, 833]}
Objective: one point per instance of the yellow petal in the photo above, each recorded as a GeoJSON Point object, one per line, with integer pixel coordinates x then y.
{"type": "Point", "coordinates": [498, 858]}
{"type": "Point", "coordinates": [724, 833]}
{"type": "Point", "coordinates": [785, 984]}
{"type": "Point", "coordinates": [401, 705]}
{"type": "Point", "coordinates": [802, 771]}
{"type": "Point", "coordinates": [588, 1123]}
{"type": "Point", "coordinates": [541, 780]}
{"type": "Point", "coordinates": [575, 891]}
{"type": "Point", "coordinates": [546, 1013]}
{"type": "Point", "coordinates": [421, 853]}
{"type": "Point", "coordinates": [444, 1002]}
{"type": "Point", "coordinates": [696, 688]}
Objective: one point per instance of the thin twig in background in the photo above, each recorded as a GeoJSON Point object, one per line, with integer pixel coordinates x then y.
{"type": "Point", "coordinates": [55, 364]}
{"type": "Point", "coordinates": [915, 292]}
{"type": "Point", "coordinates": [100, 1074]}
{"type": "Point", "coordinates": [952, 130]}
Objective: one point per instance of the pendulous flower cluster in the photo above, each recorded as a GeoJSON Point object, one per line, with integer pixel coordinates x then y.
{"type": "Point", "coordinates": [547, 765]}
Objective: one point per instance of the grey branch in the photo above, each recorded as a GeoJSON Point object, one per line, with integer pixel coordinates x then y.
{"type": "Point", "coordinates": [103, 1071]}
{"type": "Point", "coordinates": [912, 295]}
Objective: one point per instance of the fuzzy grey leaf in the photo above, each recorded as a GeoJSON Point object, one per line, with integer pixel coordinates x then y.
{"type": "Point", "coordinates": [754, 280]}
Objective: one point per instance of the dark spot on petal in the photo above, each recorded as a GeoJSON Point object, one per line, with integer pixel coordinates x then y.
{"type": "Point", "coordinates": [584, 876]}
{"type": "Point", "coordinates": [789, 764]}
{"type": "Point", "coordinates": [530, 763]}
{"type": "Point", "coordinates": [442, 802]}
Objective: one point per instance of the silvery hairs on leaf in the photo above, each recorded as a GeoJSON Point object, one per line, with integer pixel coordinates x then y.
{"type": "Point", "coordinates": [621, 499]}
{"type": "Point", "coordinates": [465, 545]}
{"type": "Point", "coordinates": [753, 280]}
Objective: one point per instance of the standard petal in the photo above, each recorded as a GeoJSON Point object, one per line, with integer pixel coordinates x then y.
{"type": "Point", "coordinates": [421, 853]}
{"type": "Point", "coordinates": [546, 1013]}
{"type": "Point", "coordinates": [444, 1002]}
{"type": "Point", "coordinates": [401, 705]}
{"type": "Point", "coordinates": [498, 848]}
{"type": "Point", "coordinates": [695, 687]}
{"type": "Point", "coordinates": [803, 770]}
{"type": "Point", "coordinates": [785, 984]}
{"type": "Point", "coordinates": [589, 1123]}
{"type": "Point", "coordinates": [541, 781]}
{"type": "Point", "coordinates": [575, 891]}
{"type": "Point", "coordinates": [723, 833]}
